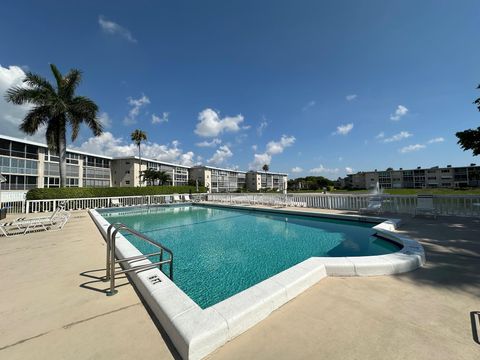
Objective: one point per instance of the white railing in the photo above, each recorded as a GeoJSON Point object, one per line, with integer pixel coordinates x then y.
{"type": "Point", "coordinates": [458, 205]}
{"type": "Point", "coordinates": [14, 207]}
{"type": "Point", "coordinates": [13, 201]}
{"type": "Point", "coordinates": [103, 202]}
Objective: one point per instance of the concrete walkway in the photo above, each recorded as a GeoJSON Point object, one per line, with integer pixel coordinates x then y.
{"type": "Point", "coordinates": [52, 305]}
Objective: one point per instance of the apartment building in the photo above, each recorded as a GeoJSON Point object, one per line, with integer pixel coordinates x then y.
{"type": "Point", "coordinates": [218, 179]}
{"type": "Point", "coordinates": [28, 165]}
{"type": "Point", "coordinates": [126, 171]}
{"type": "Point", "coordinates": [261, 180]}
{"type": "Point", "coordinates": [419, 178]}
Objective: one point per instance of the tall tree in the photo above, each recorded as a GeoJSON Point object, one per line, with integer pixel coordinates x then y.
{"type": "Point", "coordinates": [470, 139]}
{"type": "Point", "coordinates": [56, 107]}
{"type": "Point", "coordinates": [265, 167]}
{"type": "Point", "coordinates": [138, 136]}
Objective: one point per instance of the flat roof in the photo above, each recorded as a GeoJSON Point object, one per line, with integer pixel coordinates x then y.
{"type": "Point", "coordinates": [413, 169]}
{"type": "Point", "coordinates": [217, 168]}
{"type": "Point", "coordinates": [29, 142]}
{"type": "Point", "coordinates": [267, 172]}
{"type": "Point", "coordinates": [151, 160]}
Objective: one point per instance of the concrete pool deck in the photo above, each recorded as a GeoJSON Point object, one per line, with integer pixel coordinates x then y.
{"type": "Point", "coordinates": [46, 313]}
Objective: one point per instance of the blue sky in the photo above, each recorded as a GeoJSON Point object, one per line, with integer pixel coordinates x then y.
{"type": "Point", "coordinates": [310, 87]}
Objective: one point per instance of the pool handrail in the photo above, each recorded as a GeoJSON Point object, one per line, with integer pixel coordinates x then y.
{"type": "Point", "coordinates": [112, 231]}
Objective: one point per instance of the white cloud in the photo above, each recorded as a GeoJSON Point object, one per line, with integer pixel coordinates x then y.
{"type": "Point", "coordinates": [105, 120]}
{"type": "Point", "coordinates": [272, 148]}
{"type": "Point", "coordinates": [397, 137]}
{"type": "Point", "coordinates": [263, 125]}
{"type": "Point", "coordinates": [108, 144]}
{"type": "Point", "coordinates": [277, 147]}
{"type": "Point", "coordinates": [211, 125]}
{"type": "Point", "coordinates": [323, 170]}
{"type": "Point", "coordinates": [351, 97]}
{"type": "Point", "coordinates": [411, 148]}
{"type": "Point", "coordinates": [160, 119]}
{"type": "Point", "coordinates": [310, 104]}
{"type": "Point", "coordinates": [254, 147]}
{"type": "Point", "coordinates": [399, 113]}
{"type": "Point", "coordinates": [343, 129]}
{"type": "Point", "coordinates": [297, 169]}
{"type": "Point", "coordinates": [212, 143]}
{"type": "Point", "coordinates": [436, 140]}
{"type": "Point", "coordinates": [259, 160]}
{"type": "Point", "coordinates": [380, 135]}
{"type": "Point", "coordinates": [221, 155]}
{"type": "Point", "coordinates": [113, 28]}
{"type": "Point", "coordinates": [136, 106]}
{"type": "Point", "coordinates": [349, 170]}
{"type": "Point", "coordinates": [11, 115]}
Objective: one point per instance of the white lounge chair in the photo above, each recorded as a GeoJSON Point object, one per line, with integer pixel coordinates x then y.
{"type": "Point", "coordinates": [374, 205]}
{"type": "Point", "coordinates": [425, 205]}
{"type": "Point", "coordinates": [25, 225]}
{"type": "Point", "coordinates": [176, 198]}
{"type": "Point", "coordinates": [186, 198]}
{"type": "Point", "coordinates": [115, 203]}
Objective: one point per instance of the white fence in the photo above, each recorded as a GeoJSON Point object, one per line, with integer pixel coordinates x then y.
{"type": "Point", "coordinates": [13, 201]}
{"type": "Point", "coordinates": [459, 205]}
{"type": "Point", "coordinates": [103, 202]}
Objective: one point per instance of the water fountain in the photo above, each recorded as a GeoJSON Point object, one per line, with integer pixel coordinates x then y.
{"type": "Point", "coordinates": [377, 190]}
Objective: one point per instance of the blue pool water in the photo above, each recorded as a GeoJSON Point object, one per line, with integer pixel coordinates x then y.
{"type": "Point", "coordinates": [219, 252]}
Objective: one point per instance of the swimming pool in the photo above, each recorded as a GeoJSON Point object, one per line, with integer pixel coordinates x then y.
{"type": "Point", "coordinates": [220, 252]}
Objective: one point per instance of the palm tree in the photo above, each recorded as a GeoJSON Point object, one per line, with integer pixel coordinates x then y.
{"type": "Point", "coordinates": [56, 107]}
{"type": "Point", "coordinates": [137, 137]}
{"type": "Point", "coordinates": [162, 177]}
{"type": "Point", "coordinates": [265, 168]}
{"type": "Point", "coordinates": [149, 176]}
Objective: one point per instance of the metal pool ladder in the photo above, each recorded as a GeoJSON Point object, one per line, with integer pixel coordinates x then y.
{"type": "Point", "coordinates": [112, 232]}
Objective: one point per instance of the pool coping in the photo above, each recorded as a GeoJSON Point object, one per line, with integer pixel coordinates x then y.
{"type": "Point", "coordinates": [197, 332]}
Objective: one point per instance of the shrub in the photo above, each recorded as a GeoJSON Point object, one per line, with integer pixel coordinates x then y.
{"type": "Point", "coordinates": [89, 192]}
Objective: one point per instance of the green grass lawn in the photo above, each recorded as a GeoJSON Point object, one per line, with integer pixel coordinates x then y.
{"type": "Point", "coordinates": [474, 191]}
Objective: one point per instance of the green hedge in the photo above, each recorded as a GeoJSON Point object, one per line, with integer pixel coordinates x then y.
{"type": "Point", "coordinates": [87, 192]}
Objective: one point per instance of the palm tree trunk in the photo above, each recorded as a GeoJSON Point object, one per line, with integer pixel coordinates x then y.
{"type": "Point", "coordinates": [140, 170]}
{"type": "Point", "coordinates": [62, 153]}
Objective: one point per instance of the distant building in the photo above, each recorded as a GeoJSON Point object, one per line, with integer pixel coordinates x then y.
{"type": "Point", "coordinates": [419, 178]}
{"type": "Point", "coordinates": [218, 179]}
{"type": "Point", "coordinates": [126, 171]}
{"type": "Point", "coordinates": [261, 180]}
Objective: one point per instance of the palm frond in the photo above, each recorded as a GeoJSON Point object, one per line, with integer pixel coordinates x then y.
{"type": "Point", "coordinates": [75, 129]}
{"type": "Point", "coordinates": [36, 81]}
{"type": "Point", "coordinates": [20, 95]}
{"type": "Point", "coordinates": [34, 119]}
{"type": "Point", "coordinates": [138, 136]}
{"type": "Point", "coordinates": [82, 109]}
{"type": "Point", "coordinates": [58, 77]}
{"type": "Point", "coordinates": [71, 82]}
